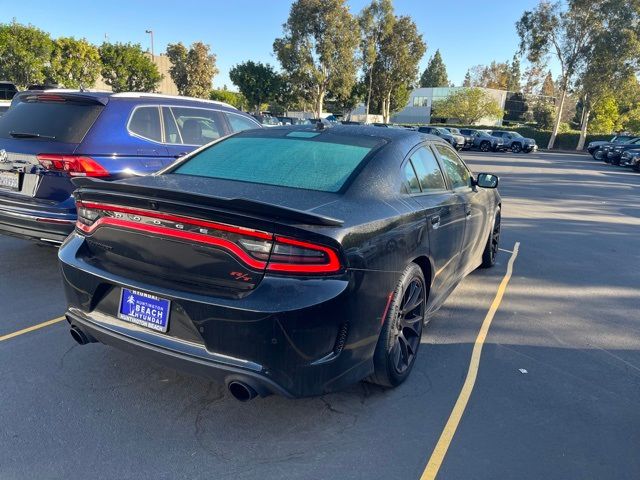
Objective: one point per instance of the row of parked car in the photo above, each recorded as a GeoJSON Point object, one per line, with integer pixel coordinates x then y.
{"type": "Point", "coordinates": [622, 150]}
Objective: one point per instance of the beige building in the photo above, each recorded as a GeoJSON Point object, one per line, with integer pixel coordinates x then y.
{"type": "Point", "coordinates": [166, 85]}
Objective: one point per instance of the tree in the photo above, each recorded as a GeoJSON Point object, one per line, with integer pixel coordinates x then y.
{"type": "Point", "coordinates": [467, 79]}
{"type": "Point", "coordinates": [435, 75]}
{"type": "Point", "coordinates": [514, 75]}
{"type": "Point", "coordinates": [125, 67]}
{"type": "Point", "coordinates": [193, 69]}
{"type": "Point", "coordinates": [232, 98]}
{"type": "Point", "coordinates": [565, 31]}
{"type": "Point", "coordinates": [257, 81]}
{"type": "Point", "coordinates": [178, 54]}
{"type": "Point", "coordinates": [610, 66]}
{"type": "Point", "coordinates": [605, 115]}
{"type": "Point", "coordinates": [318, 48]}
{"type": "Point", "coordinates": [468, 105]}
{"type": "Point", "coordinates": [548, 87]}
{"type": "Point", "coordinates": [498, 75]}
{"type": "Point", "coordinates": [25, 51]}
{"type": "Point", "coordinates": [396, 66]}
{"type": "Point", "coordinates": [376, 22]}
{"type": "Point", "coordinates": [544, 114]}
{"type": "Point", "coordinates": [74, 63]}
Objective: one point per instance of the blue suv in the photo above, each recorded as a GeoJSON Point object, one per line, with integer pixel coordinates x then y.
{"type": "Point", "coordinates": [48, 137]}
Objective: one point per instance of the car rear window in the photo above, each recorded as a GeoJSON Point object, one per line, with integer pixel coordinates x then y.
{"type": "Point", "coordinates": [63, 121]}
{"type": "Point", "coordinates": [299, 160]}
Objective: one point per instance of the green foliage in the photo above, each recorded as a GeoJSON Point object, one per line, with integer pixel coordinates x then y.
{"type": "Point", "coordinates": [193, 69]}
{"type": "Point", "coordinates": [74, 63]}
{"type": "Point", "coordinates": [605, 115]}
{"type": "Point", "coordinates": [318, 48]}
{"type": "Point", "coordinates": [232, 98]}
{"type": "Point", "coordinates": [258, 82]}
{"type": "Point", "coordinates": [396, 66]}
{"type": "Point", "coordinates": [125, 67]}
{"type": "Point", "coordinates": [376, 22]}
{"type": "Point", "coordinates": [544, 114]}
{"type": "Point", "coordinates": [498, 75]}
{"type": "Point", "coordinates": [435, 75]}
{"type": "Point", "coordinates": [631, 120]}
{"type": "Point", "coordinates": [25, 52]}
{"type": "Point", "coordinates": [548, 86]}
{"type": "Point", "coordinates": [469, 105]}
{"type": "Point", "coordinates": [467, 79]}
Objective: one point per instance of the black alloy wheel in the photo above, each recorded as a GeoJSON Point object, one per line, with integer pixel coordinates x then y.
{"type": "Point", "coordinates": [598, 155]}
{"type": "Point", "coordinates": [401, 333]}
{"type": "Point", "coordinates": [516, 147]}
{"type": "Point", "coordinates": [485, 146]}
{"type": "Point", "coordinates": [493, 243]}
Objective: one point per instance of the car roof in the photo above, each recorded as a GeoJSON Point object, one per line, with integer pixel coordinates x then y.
{"type": "Point", "coordinates": [396, 135]}
{"type": "Point", "coordinates": [136, 97]}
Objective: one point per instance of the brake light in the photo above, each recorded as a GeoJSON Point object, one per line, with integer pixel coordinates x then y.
{"type": "Point", "coordinates": [295, 256]}
{"type": "Point", "coordinates": [257, 249]}
{"type": "Point", "coordinates": [74, 165]}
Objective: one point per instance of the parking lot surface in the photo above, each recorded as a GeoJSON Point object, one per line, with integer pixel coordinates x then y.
{"type": "Point", "coordinates": [556, 395]}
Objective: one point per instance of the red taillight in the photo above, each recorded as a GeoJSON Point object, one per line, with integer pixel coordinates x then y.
{"type": "Point", "coordinates": [257, 249]}
{"type": "Point", "coordinates": [295, 256]}
{"type": "Point", "coordinates": [74, 165]}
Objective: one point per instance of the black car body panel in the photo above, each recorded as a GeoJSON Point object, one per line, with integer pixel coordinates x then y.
{"type": "Point", "coordinates": [235, 317]}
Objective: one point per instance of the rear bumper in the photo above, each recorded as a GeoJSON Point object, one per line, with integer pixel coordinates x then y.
{"type": "Point", "coordinates": [183, 356]}
{"type": "Point", "coordinates": [49, 226]}
{"type": "Point", "coordinates": [291, 336]}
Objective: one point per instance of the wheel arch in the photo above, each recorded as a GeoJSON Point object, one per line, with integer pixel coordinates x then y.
{"type": "Point", "coordinates": [426, 266]}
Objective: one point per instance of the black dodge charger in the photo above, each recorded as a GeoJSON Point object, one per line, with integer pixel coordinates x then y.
{"type": "Point", "coordinates": [294, 261]}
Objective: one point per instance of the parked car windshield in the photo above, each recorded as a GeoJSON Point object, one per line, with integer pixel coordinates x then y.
{"type": "Point", "coordinates": [64, 121]}
{"type": "Point", "coordinates": [516, 135]}
{"type": "Point", "coordinates": [297, 160]}
{"type": "Point", "coordinates": [454, 130]}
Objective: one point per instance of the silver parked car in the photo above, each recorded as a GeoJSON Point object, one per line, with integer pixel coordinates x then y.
{"type": "Point", "coordinates": [515, 142]}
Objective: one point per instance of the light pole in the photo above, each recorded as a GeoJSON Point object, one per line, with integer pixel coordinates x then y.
{"type": "Point", "coordinates": [150, 32]}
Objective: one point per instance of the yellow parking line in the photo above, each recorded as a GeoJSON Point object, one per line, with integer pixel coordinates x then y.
{"type": "Point", "coordinates": [437, 457]}
{"type": "Point", "coordinates": [31, 329]}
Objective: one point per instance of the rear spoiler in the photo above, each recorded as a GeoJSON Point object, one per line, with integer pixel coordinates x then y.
{"type": "Point", "coordinates": [87, 185]}
{"type": "Point", "coordinates": [53, 95]}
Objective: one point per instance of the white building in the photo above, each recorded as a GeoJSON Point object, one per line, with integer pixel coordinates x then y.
{"type": "Point", "coordinates": [418, 109]}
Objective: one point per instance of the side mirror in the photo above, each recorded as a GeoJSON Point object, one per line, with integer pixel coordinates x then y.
{"type": "Point", "coordinates": [487, 180]}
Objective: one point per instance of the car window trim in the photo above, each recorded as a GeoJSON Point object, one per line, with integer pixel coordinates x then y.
{"type": "Point", "coordinates": [407, 159]}
{"type": "Point", "coordinates": [447, 179]}
{"type": "Point", "coordinates": [251, 119]}
{"type": "Point", "coordinates": [160, 106]}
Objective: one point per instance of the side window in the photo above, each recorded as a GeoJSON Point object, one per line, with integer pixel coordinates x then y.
{"type": "Point", "coordinates": [198, 126]}
{"type": "Point", "coordinates": [455, 169]}
{"type": "Point", "coordinates": [239, 123]}
{"type": "Point", "coordinates": [145, 122]}
{"type": "Point", "coordinates": [411, 179]}
{"type": "Point", "coordinates": [171, 134]}
{"type": "Point", "coordinates": [428, 170]}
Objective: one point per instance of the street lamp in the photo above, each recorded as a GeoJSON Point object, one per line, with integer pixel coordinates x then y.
{"type": "Point", "coordinates": [150, 32]}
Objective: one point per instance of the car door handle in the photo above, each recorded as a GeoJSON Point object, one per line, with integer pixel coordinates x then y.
{"type": "Point", "coordinates": [435, 221]}
{"type": "Point", "coordinates": [181, 154]}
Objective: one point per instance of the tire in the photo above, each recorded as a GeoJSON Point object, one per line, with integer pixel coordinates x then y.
{"type": "Point", "coordinates": [597, 155]}
{"type": "Point", "coordinates": [516, 147]}
{"type": "Point", "coordinates": [485, 146]}
{"type": "Point", "coordinates": [399, 340]}
{"type": "Point", "coordinates": [493, 243]}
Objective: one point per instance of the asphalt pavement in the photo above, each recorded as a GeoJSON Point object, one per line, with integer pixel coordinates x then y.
{"type": "Point", "coordinates": [556, 395]}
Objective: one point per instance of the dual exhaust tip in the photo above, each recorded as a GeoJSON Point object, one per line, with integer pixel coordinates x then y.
{"type": "Point", "coordinates": [241, 391]}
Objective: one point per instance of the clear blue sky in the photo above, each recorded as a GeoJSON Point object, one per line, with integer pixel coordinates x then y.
{"type": "Point", "coordinates": [467, 32]}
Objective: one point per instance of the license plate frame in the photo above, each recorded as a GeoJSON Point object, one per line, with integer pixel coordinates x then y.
{"type": "Point", "coordinates": [10, 181]}
{"type": "Point", "coordinates": [144, 309]}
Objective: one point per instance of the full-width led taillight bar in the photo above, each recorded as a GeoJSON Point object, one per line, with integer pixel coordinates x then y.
{"type": "Point", "coordinates": [256, 248]}
{"type": "Point", "coordinates": [74, 165]}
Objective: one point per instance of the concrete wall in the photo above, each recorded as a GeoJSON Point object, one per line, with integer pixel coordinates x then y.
{"type": "Point", "coordinates": [166, 85]}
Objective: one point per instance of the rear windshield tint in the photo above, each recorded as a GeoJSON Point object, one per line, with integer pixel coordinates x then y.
{"type": "Point", "coordinates": [66, 122]}
{"type": "Point", "coordinates": [290, 161]}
